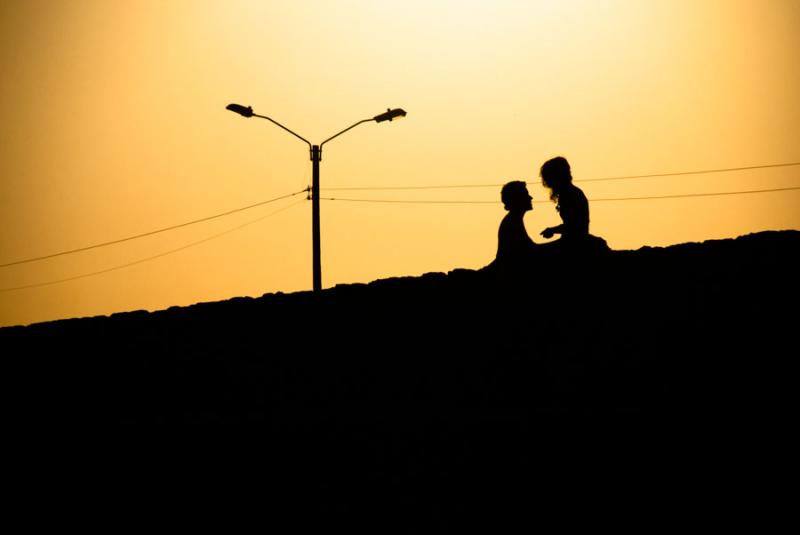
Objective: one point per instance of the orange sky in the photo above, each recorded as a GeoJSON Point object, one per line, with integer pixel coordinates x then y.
{"type": "Point", "coordinates": [113, 123]}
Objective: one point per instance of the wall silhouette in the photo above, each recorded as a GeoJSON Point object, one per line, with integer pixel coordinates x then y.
{"type": "Point", "coordinates": [656, 329]}
{"type": "Point", "coordinates": [439, 372]}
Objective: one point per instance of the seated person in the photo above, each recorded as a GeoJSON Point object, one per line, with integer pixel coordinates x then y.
{"type": "Point", "coordinates": [572, 206]}
{"type": "Point", "coordinates": [514, 246]}
{"type": "Point", "coordinates": [570, 201]}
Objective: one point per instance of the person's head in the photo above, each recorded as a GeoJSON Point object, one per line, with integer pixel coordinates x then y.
{"type": "Point", "coordinates": [515, 197]}
{"type": "Point", "coordinates": [556, 175]}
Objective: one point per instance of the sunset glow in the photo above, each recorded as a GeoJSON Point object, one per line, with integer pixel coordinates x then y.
{"type": "Point", "coordinates": [113, 124]}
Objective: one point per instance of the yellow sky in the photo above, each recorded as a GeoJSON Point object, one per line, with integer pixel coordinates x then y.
{"type": "Point", "coordinates": [113, 123]}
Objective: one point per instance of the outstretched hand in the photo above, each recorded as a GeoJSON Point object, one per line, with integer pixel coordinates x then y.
{"type": "Point", "coordinates": [547, 233]}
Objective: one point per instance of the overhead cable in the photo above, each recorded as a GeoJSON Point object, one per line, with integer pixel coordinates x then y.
{"type": "Point", "coordinates": [150, 233]}
{"type": "Point", "coordinates": [599, 179]}
{"type": "Point", "coordinates": [653, 197]}
{"type": "Point", "coordinates": [154, 257]}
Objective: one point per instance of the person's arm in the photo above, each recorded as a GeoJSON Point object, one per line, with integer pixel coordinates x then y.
{"type": "Point", "coordinates": [549, 231]}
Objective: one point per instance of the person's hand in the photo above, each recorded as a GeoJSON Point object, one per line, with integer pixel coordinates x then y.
{"type": "Point", "coordinates": [547, 233]}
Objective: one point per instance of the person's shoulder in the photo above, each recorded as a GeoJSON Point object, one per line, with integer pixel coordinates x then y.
{"type": "Point", "coordinates": [575, 189]}
{"type": "Point", "coordinates": [577, 192]}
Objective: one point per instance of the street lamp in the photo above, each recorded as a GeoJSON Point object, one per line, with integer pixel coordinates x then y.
{"type": "Point", "coordinates": [316, 157]}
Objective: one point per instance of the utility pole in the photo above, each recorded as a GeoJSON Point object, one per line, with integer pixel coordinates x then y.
{"type": "Point", "coordinates": [316, 157]}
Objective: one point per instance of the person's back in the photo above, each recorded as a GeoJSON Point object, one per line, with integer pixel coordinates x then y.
{"type": "Point", "coordinates": [573, 207]}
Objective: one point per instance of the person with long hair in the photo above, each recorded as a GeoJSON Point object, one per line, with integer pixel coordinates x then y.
{"type": "Point", "coordinates": [571, 203]}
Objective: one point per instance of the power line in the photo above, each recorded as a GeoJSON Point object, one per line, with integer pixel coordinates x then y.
{"type": "Point", "coordinates": [654, 197]}
{"type": "Point", "coordinates": [154, 257]}
{"type": "Point", "coordinates": [457, 186]}
{"type": "Point", "coordinates": [685, 195]}
{"type": "Point", "coordinates": [425, 187]}
{"type": "Point", "coordinates": [407, 201]}
{"type": "Point", "coordinates": [152, 232]}
{"type": "Point", "coordinates": [683, 173]}
{"type": "Point", "coordinates": [379, 188]}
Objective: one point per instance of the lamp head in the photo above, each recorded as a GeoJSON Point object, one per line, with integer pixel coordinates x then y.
{"type": "Point", "coordinates": [390, 114]}
{"type": "Point", "coordinates": [241, 110]}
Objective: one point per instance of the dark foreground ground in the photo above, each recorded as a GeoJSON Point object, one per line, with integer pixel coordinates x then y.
{"type": "Point", "coordinates": [443, 371]}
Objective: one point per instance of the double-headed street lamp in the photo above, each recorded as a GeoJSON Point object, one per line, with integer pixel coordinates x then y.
{"type": "Point", "coordinates": [316, 157]}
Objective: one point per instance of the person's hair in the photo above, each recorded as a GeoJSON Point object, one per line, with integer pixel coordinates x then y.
{"type": "Point", "coordinates": [555, 175]}
{"type": "Point", "coordinates": [511, 192]}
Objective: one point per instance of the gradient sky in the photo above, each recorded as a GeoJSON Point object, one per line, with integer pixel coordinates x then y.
{"type": "Point", "coordinates": [113, 123]}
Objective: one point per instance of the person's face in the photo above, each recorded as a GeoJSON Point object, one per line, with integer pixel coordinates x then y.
{"type": "Point", "coordinates": [526, 201]}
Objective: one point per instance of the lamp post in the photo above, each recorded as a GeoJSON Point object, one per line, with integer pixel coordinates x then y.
{"type": "Point", "coordinates": [316, 157]}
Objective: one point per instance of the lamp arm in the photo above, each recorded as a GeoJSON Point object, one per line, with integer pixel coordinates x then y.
{"type": "Point", "coordinates": [279, 124]}
{"type": "Point", "coordinates": [345, 130]}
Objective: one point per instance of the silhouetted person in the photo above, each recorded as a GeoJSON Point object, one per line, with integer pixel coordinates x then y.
{"type": "Point", "coordinates": [571, 203]}
{"type": "Point", "coordinates": [514, 247]}
{"type": "Point", "coordinates": [573, 207]}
